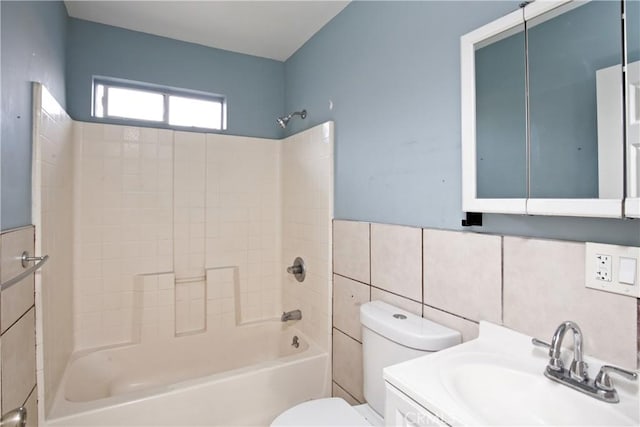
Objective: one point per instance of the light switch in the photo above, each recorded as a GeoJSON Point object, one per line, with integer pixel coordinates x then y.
{"type": "Point", "coordinates": [627, 272]}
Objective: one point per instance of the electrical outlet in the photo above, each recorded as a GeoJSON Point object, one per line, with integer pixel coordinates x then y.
{"type": "Point", "coordinates": [603, 267]}
{"type": "Point", "coordinates": [612, 268]}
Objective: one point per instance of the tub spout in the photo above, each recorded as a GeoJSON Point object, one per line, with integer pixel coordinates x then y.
{"type": "Point", "coordinates": [291, 315]}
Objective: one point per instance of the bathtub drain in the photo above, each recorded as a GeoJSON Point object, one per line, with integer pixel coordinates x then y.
{"type": "Point", "coordinates": [295, 342]}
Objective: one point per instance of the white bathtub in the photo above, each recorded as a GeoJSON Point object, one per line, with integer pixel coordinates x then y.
{"type": "Point", "coordinates": [245, 376]}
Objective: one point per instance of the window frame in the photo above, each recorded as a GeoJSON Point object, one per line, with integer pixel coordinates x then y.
{"type": "Point", "coordinates": [165, 91]}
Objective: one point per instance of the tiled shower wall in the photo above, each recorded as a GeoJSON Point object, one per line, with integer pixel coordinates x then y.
{"type": "Point", "coordinates": [123, 201]}
{"type": "Point", "coordinates": [52, 199]}
{"type": "Point", "coordinates": [208, 209]}
{"type": "Point", "coordinates": [243, 235]}
{"type": "Point", "coordinates": [307, 208]}
{"type": "Point", "coordinates": [459, 278]}
{"type": "Point", "coordinates": [243, 203]}
{"type": "Point", "coordinates": [152, 201]}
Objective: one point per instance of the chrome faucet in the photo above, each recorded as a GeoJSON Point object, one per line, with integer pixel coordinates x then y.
{"type": "Point", "coordinates": [577, 376]}
{"type": "Point", "coordinates": [291, 315]}
{"type": "Point", "coordinates": [578, 368]}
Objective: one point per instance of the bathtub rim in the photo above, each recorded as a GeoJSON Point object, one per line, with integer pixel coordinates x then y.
{"type": "Point", "coordinates": [64, 409]}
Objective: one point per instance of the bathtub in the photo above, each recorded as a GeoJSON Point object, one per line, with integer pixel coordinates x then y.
{"type": "Point", "coordinates": [245, 376]}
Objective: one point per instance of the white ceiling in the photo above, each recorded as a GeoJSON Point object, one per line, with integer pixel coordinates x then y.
{"type": "Point", "coordinates": [270, 29]}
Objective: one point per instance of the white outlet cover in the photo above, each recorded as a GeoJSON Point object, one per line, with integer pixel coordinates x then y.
{"type": "Point", "coordinates": [620, 255]}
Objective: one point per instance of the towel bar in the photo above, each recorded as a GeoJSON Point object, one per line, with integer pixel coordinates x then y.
{"type": "Point", "coordinates": [25, 259]}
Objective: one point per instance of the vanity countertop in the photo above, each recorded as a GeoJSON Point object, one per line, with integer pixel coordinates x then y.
{"type": "Point", "coordinates": [498, 379]}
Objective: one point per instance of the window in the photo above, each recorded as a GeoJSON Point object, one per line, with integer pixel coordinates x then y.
{"type": "Point", "coordinates": [126, 100]}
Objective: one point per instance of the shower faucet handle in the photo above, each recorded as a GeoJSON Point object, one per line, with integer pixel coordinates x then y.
{"type": "Point", "coordinates": [298, 269]}
{"type": "Point", "coordinates": [294, 269]}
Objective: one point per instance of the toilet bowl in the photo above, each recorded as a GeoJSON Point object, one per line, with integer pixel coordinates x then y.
{"type": "Point", "coordinates": [331, 411]}
{"type": "Point", "coordinates": [389, 336]}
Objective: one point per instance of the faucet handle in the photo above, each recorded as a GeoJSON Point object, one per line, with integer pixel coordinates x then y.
{"type": "Point", "coordinates": [603, 380]}
{"type": "Point", "coordinates": [298, 269]}
{"type": "Point", "coordinates": [294, 269]}
{"type": "Point", "coordinates": [540, 343]}
{"type": "Point", "coordinates": [555, 363]}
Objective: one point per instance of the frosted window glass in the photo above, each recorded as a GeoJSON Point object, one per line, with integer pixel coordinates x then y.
{"type": "Point", "coordinates": [195, 112]}
{"type": "Point", "coordinates": [135, 104]}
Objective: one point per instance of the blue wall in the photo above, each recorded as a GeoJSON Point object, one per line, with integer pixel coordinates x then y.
{"type": "Point", "coordinates": [392, 71]}
{"type": "Point", "coordinates": [33, 49]}
{"type": "Point", "coordinates": [254, 86]}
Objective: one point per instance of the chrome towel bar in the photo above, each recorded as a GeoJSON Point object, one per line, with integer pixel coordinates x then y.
{"type": "Point", "coordinates": [25, 260]}
{"type": "Point", "coordinates": [15, 418]}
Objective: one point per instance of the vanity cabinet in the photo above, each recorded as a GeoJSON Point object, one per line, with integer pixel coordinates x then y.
{"type": "Point", "coordinates": [402, 411]}
{"type": "Point", "coordinates": [543, 129]}
{"type": "Point", "coordinates": [497, 379]}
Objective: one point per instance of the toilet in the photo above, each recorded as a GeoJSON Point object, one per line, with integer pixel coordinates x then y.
{"type": "Point", "coordinates": [389, 336]}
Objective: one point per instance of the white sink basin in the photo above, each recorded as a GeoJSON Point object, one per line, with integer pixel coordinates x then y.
{"type": "Point", "coordinates": [498, 380]}
{"type": "Point", "coordinates": [475, 380]}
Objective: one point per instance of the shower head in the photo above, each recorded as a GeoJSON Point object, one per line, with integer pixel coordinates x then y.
{"type": "Point", "coordinates": [283, 121]}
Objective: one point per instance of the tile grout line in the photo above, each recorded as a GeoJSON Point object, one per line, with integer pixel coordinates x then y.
{"type": "Point", "coordinates": [32, 306]}
{"type": "Point", "coordinates": [451, 314]}
{"type": "Point", "coordinates": [30, 393]}
{"type": "Point", "coordinates": [351, 278]}
{"type": "Point", "coordinates": [346, 391]}
{"type": "Point", "coordinates": [395, 294]}
{"type": "Point", "coordinates": [346, 334]}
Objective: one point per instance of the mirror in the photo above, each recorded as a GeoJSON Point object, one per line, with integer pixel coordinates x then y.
{"type": "Point", "coordinates": [501, 128]}
{"type": "Point", "coordinates": [632, 13]}
{"type": "Point", "coordinates": [542, 111]}
{"type": "Point", "coordinates": [570, 51]}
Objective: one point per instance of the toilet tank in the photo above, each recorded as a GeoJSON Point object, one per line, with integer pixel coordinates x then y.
{"type": "Point", "coordinates": [391, 335]}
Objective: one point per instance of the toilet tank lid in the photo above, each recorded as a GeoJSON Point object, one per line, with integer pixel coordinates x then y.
{"type": "Point", "coordinates": [406, 328]}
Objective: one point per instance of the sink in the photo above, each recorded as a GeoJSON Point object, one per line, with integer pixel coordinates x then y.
{"type": "Point", "coordinates": [498, 380]}
{"type": "Point", "coordinates": [502, 391]}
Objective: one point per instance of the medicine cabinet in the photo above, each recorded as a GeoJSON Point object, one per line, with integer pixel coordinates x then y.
{"type": "Point", "coordinates": [544, 128]}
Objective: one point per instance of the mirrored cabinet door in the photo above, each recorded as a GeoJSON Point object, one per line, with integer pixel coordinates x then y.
{"type": "Point", "coordinates": [493, 81]}
{"type": "Point", "coordinates": [569, 51]}
{"type": "Point", "coordinates": [543, 128]}
{"type": "Point", "coordinates": [632, 87]}
{"type": "Point", "coordinates": [501, 127]}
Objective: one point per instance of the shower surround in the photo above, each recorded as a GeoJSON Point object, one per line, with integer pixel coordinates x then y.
{"type": "Point", "coordinates": [181, 233]}
{"type": "Point", "coordinates": [171, 210]}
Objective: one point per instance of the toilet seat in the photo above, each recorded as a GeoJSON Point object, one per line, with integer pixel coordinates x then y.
{"type": "Point", "coordinates": [331, 411]}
